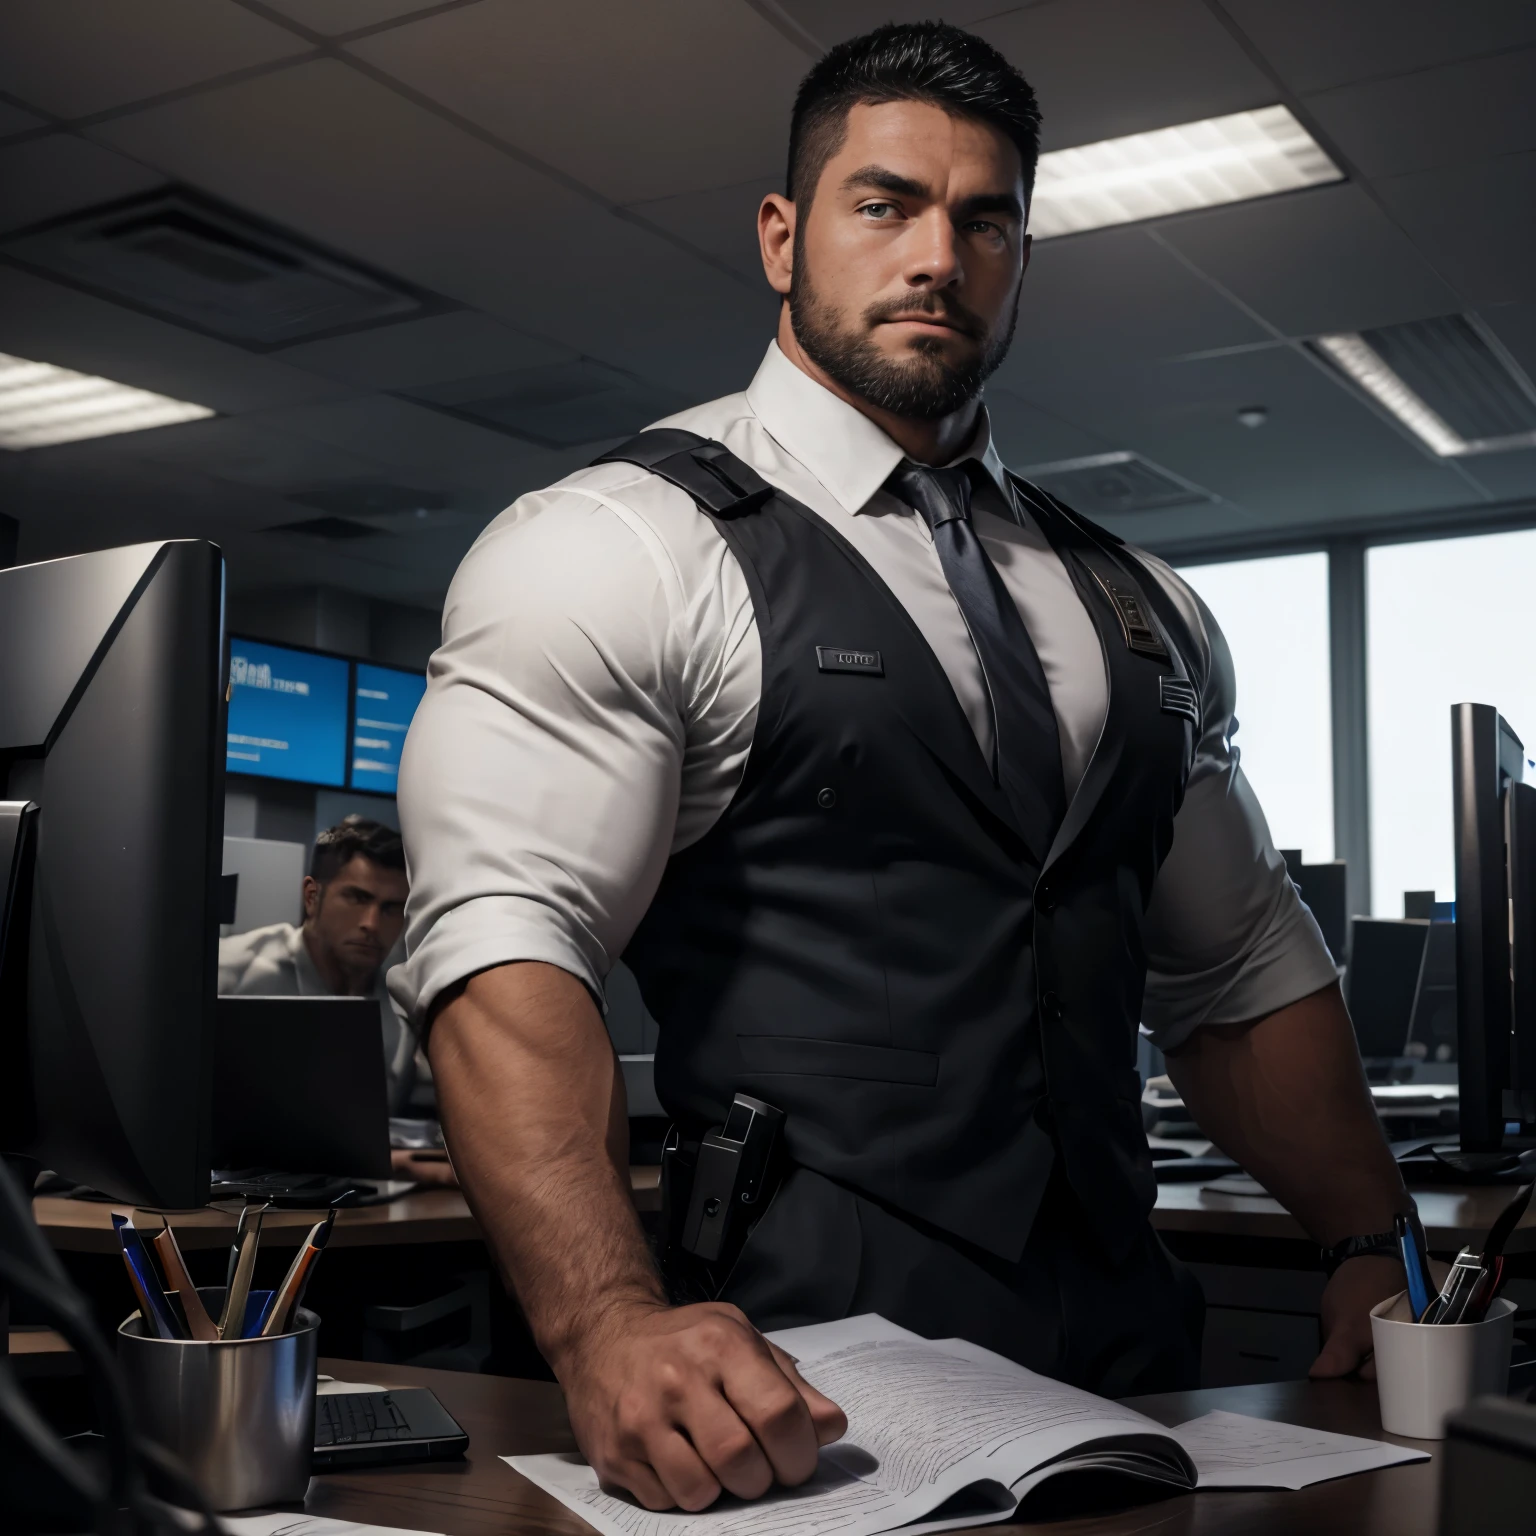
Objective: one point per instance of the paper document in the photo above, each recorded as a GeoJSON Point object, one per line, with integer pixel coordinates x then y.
{"type": "Point", "coordinates": [1233, 1451]}
{"type": "Point", "coordinates": [304, 1525]}
{"type": "Point", "coordinates": [944, 1434]}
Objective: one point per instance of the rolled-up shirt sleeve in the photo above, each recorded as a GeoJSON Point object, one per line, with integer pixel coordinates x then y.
{"type": "Point", "coordinates": [1228, 936]}
{"type": "Point", "coordinates": [539, 785]}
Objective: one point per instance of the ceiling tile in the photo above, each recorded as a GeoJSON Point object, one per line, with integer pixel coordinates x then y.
{"type": "Point", "coordinates": [250, 451]}
{"type": "Point", "coordinates": [73, 57]}
{"type": "Point", "coordinates": [831, 21]}
{"type": "Point", "coordinates": [1027, 434]}
{"type": "Point", "coordinates": [330, 154]}
{"type": "Point", "coordinates": [333, 16]}
{"type": "Point", "coordinates": [721, 221]}
{"type": "Point", "coordinates": [1505, 476]}
{"type": "Point", "coordinates": [1515, 326]}
{"type": "Point", "coordinates": [41, 179]}
{"type": "Point", "coordinates": [1315, 44]}
{"type": "Point", "coordinates": [1434, 117]}
{"type": "Point", "coordinates": [54, 324]}
{"type": "Point", "coordinates": [1149, 64]}
{"type": "Point", "coordinates": [14, 120]}
{"type": "Point", "coordinates": [1109, 299]}
{"type": "Point", "coordinates": [1322, 260]}
{"type": "Point", "coordinates": [1476, 223]}
{"type": "Point", "coordinates": [427, 351]}
{"type": "Point", "coordinates": [681, 94]}
{"type": "Point", "coordinates": [1321, 455]}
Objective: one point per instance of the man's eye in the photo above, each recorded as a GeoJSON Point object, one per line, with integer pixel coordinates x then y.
{"type": "Point", "coordinates": [983, 227]}
{"type": "Point", "coordinates": [878, 211]}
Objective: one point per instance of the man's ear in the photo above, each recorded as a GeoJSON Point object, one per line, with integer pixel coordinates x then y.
{"type": "Point", "coordinates": [776, 239]}
{"type": "Point", "coordinates": [311, 889]}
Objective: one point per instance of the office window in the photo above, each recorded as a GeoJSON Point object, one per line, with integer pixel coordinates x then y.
{"type": "Point", "coordinates": [1448, 621]}
{"type": "Point", "coordinates": [1274, 614]}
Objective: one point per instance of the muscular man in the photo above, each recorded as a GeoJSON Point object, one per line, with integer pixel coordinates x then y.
{"type": "Point", "coordinates": [907, 794]}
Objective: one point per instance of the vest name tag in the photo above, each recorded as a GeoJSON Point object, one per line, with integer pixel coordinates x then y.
{"type": "Point", "coordinates": [1177, 697]}
{"type": "Point", "coordinates": [849, 658]}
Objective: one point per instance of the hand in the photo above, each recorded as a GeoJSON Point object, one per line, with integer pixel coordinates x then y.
{"type": "Point", "coordinates": [410, 1163]}
{"type": "Point", "coordinates": [676, 1403]}
{"type": "Point", "coordinates": [1356, 1286]}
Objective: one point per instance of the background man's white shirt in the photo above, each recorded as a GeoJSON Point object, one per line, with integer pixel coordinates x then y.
{"type": "Point", "coordinates": [592, 705]}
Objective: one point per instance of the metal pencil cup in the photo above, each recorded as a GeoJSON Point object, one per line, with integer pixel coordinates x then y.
{"type": "Point", "coordinates": [239, 1413]}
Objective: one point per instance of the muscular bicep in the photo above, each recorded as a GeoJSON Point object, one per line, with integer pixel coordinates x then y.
{"type": "Point", "coordinates": [540, 781]}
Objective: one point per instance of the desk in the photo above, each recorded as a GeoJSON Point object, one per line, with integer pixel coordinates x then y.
{"type": "Point", "coordinates": [484, 1497]}
{"type": "Point", "coordinates": [1453, 1216]}
{"type": "Point", "coordinates": [428, 1216]}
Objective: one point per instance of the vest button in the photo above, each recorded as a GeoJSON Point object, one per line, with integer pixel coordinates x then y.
{"type": "Point", "coordinates": [827, 799]}
{"type": "Point", "coordinates": [1050, 1007]}
{"type": "Point", "coordinates": [1045, 898]}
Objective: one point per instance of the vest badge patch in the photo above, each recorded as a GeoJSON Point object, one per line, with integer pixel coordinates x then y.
{"type": "Point", "coordinates": [849, 658]}
{"type": "Point", "coordinates": [1175, 696]}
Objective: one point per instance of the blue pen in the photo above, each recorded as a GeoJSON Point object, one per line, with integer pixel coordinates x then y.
{"type": "Point", "coordinates": [153, 1307]}
{"type": "Point", "coordinates": [1415, 1266]}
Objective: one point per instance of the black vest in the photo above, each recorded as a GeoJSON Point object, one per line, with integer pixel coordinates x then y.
{"type": "Point", "coordinates": [864, 938]}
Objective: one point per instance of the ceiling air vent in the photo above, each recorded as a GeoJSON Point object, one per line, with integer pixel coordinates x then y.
{"type": "Point", "coordinates": [334, 530]}
{"type": "Point", "coordinates": [557, 406]}
{"type": "Point", "coordinates": [1106, 484]}
{"type": "Point", "coordinates": [202, 264]}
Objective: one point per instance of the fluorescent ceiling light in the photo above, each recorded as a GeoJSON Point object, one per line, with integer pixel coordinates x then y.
{"type": "Point", "coordinates": [41, 404]}
{"type": "Point", "coordinates": [1355, 357]}
{"type": "Point", "coordinates": [1170, 170]}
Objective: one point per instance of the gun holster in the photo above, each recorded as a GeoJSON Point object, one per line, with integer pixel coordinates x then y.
{"type": "Point", "coordinates": [713, 1191]}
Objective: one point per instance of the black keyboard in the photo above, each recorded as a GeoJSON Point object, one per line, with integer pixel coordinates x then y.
{"type": "Point", "coordinates": [359, 1418]}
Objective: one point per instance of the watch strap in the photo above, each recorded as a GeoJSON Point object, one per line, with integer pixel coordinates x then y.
{"type": "Point", "coordinates": [1381, 1245]}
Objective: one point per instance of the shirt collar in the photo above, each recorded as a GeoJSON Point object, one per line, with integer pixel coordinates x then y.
{"type": "Point", "coordinates": [836, 443]}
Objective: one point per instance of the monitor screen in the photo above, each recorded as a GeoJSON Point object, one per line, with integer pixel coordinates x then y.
{"type": "Point", "coordinates": [386, 699]}
{"type": "Point", "coordinates": [287, 714]}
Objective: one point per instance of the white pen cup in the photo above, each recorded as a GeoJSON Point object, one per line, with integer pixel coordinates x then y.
{"type": "Point", "coordinates": [1426, 1370]}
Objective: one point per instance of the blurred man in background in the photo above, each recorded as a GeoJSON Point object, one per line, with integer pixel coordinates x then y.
{"type": "Point", "coordinates": [354, 909]}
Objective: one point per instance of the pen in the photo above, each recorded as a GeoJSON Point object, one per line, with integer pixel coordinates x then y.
{"type": "Point", "coordinates": [232, 1323]}
{"type": "Point", "coordinates": [1409, 1240]}
{"type": "Point", "coordinates": [174, 1267]}
{"type": "Point", "coordinates": [290, 1294]}
{"type": "Point", "coordinates": [153, 1307]}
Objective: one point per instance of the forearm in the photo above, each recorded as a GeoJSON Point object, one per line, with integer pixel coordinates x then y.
{"type": "Point", "coordinates": [1286, 1098]}
{"type": "Point", "coordinates": [533, 1110]}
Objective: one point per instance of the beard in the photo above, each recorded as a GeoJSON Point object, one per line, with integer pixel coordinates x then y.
{"type": "Point", "coordinates": [922, 385]}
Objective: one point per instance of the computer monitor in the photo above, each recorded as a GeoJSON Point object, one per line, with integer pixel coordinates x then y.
{"type": "Point", "coordinates": [1520, 841]}
{"type": "Point", "coordinates": [1385, 954]}
{"type": "Point", "coordinates": [1432, 1029]}
{"type": "Point", "coordinates": [1486, 758]}
{"type": "Point", "coordinates": [287, 713]}
{"type": "Point", "coordinates": [111, 715]}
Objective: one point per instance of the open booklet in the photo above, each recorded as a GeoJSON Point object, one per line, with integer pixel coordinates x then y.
{"type": "Point", "coordinates": [944, 1434]}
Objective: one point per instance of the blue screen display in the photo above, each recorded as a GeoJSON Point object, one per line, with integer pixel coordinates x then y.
{"type": "Point", "coordinates": [382, 710]}
{"type": "Point", "coordinates": [287, 714]}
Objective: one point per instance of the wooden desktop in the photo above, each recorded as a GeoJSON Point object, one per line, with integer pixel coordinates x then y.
{"type": "Point", "coordinates": [482, 1495]}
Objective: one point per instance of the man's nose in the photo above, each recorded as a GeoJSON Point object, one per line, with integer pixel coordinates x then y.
{"type": "Point", "coordinates": [932, 255]}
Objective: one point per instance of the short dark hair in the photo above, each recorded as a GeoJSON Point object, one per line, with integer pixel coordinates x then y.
{"type": "Point", "coordinates": [929, 61]}
{"type": "Point", "coordinates": [337, 846]}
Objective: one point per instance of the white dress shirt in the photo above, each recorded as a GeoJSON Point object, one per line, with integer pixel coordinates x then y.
{"type": "Point", "coordinates": [592, 705]}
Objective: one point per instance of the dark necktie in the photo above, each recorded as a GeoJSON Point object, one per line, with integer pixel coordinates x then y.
{"type": "Point", "coordinates": [1028, 749]}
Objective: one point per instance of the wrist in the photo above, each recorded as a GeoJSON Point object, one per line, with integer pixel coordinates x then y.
{"type": "Point", "coordinates": [1363, 1245]}
{"type": "Point", "coordinates": [594, 1326]}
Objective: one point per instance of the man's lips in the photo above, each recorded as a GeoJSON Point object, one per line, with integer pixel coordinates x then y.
{"type": "Point", "coordinates": [934, 322]}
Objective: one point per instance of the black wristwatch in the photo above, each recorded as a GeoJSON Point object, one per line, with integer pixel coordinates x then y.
{"type": "Point", "coordinates": [1377, 1245]}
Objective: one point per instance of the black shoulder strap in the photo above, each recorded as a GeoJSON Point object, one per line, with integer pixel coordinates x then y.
{"type": "Point", "coordinates": [1145, 582]}
{"type": "Point", "coordinates": [708, 471]}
